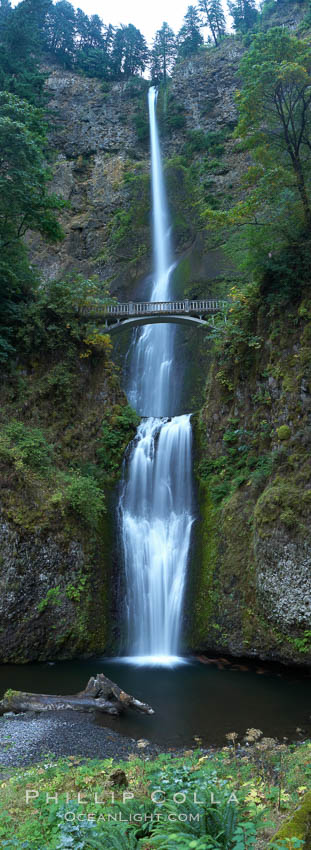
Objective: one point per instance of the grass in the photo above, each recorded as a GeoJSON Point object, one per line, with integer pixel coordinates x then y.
{"type": "Point", "coordinates": [232, 798]}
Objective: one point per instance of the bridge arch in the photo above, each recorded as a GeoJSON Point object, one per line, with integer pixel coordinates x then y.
{"type": "Point", "coordinates": [137, 321]}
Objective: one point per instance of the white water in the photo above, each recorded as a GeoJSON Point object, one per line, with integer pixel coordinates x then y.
{"type": "Point", "coordinates": [156, 501]}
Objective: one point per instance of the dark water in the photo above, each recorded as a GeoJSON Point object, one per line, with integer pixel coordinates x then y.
{"type": "Point", "coordinates": [193, 699]}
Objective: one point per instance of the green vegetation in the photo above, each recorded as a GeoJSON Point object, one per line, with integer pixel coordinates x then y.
{"type": "Point", "coordinates": [70, 37]}
{"type": "Point", "coordinates": [244, 14]}
{"type": "Point", "coordinates": [189, 37]}
{"type": "Point", "coordinates": [274, 110]}
{"type": "Point", "coordinates": [25, 204]}
{"type": "Point", "coordinates": [163, 53]}
{"type": "Point", "coordinates": [303, 644]}
{"type": "Point", "coordinates": [117, 429]}
{"type": "Point", "coordinates": [52, 598]}
{"type": "Point", "coordinates": [82, 495]}
{"type": "Point", "coordinates": [201, 802]}
{"type": "Point", "coordinates": [214, 18]}
{"type": "Point", "coordinates": [25, 447]}
{"type": "Point", "coordinates": [253, 462]}
{"type": "Point", "coordinates": [128, 237]}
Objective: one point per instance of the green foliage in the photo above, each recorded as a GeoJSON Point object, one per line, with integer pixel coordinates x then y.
{"type": "Point", "coordinates": [163, 54]}
{"type": "Point", "coordinates": [199, 142]}
{"type": "Point", "coordinates": [37, 27]}
{"type": "Point", "coordinates": [129, 53]}
{"type": "Point", "coordinates": [118, 428]}
{"type": "Point", "coordinates": [275, 108]}
{"type": "Point", "coordinates": [25, 202]}
{"type": "Point", "coordinates": [125, 237]}
{"type": "Point", "coordinates": [25, 447]}
{"type": "Point", "coordinates": [56, 317]}
{"type": "Point", "coordinates": [189, 38]}
{"type": "Point", "coordinates": [213, 18]}
{"type": "Point", "coordinates": [244, 14]}
{"type": "Point", "coordinates": [52, 598]}
{"type": "Point", "coordinates": [141, 124]}
{"type": "Point", "coordinates": [302, 644]}
{"type": "Point", "coordinates": [82, 495]}
{"type": "Point", "coordinates": [171, 113]}
{"type": "Point", "coordinates": [242, 463]}
{"type": "Point", "coordinates": [269, 229]}
{"type": "Point", "coordinates": [255, 783]}
{"type": "Point", "coordinates": [20, 52]}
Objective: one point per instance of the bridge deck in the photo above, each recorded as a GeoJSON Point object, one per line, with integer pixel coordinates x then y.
{"type": "Point", "coordinates": [150, 308]}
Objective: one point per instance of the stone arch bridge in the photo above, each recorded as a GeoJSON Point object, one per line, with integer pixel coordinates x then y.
{"type": "Point", "coordinates": [118, 317]}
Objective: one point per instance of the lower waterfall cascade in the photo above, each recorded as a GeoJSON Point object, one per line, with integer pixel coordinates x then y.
{"type": "Point", "coordinates": [155, 506]}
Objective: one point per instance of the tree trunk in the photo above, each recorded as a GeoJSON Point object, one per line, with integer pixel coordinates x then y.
{"type": "Point", "coordinates": [100, 694]}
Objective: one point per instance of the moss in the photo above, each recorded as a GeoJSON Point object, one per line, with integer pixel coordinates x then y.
{"type": "Point", "coordinates": [10, 695]}
{"type": "Point", "coordinates": [207, 553]}
{"type": "Point", "coordinates": [280, 501]}
{"type": "Point", "coordinates": [283, 432]}
{"type": "Point", "coordinates": [129, 228]}
{"type": "Point", "coordinates": [298, 826]}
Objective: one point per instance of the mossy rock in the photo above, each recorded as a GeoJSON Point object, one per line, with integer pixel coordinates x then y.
{"type": "Point", "coordinates": [298, 826]}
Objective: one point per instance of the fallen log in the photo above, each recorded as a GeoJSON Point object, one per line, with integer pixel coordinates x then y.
{"type": "Point", "coordinates": [100, 694]}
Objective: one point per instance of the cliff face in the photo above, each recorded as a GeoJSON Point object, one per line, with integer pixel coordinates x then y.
{"type": "Point", "coordinates": [248, 580]}
{"type": "Point", "coordinates": [100, 168]}
{"type": "Point", "coordinates": [58, 471]}
{"type": "Point", "coordinates": [253, 594]}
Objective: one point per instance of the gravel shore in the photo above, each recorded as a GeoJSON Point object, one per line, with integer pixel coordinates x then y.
{"type": "Point", "coordinates": [30, 737]}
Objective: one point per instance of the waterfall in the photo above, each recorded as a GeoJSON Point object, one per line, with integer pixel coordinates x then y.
{"type": "Point", "coordinates": [156, 500]}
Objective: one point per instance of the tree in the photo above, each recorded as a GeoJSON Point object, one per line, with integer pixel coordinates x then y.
{"type": "Point", "coordinates": [5, 11]}
{"type": "Point", "coordinates": [60, 31]}
{"type": "Point", "coordinates": [24, 204]}
{"type": "Point", "coordinates": [88, 30]}
{"type": "Point", "coordinates": [189, 38]}
{"type": "Point", "coordinates": [270, 227]}
{"type": "Point", "coordinates": [129, 54]}
{"type": "Point", "coordinates": [20, 41]}
{"type": "Point", "coordinates": [214, 18]}
{"type": "Point", "coordinates": [244, 14]}
{"type": "Point", "coordinates": [163, 53]}
{"type": "Point", "coordinates": [275, 106]}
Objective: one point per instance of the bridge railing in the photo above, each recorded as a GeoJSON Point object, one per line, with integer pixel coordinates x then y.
{"type": "Point", "coordinates": [144, 308]}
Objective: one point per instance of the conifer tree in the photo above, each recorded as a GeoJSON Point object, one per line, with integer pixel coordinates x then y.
{"type": "Point", "coordinates": [60, 31]}
{"type": "Point", "coordinates": [88, 30]}
{"type": "Point", "coordinates": [20, 47]}
{"type": "Point", "coordinates": [213, 18]}
{"type": "Point", "coordinates": [243, 13]}
{"type": "Point", "coordinates": [129, 53]}
{"type": "Point", "coordinates": [163, 53]}
{"type": "Point", "coordinates": [189, 38]}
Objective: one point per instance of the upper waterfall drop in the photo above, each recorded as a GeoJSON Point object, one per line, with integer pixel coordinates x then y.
{"type": "Point", "coordinates": [152, 389]}
{"type": "Point", "coordinates": [156, 501]}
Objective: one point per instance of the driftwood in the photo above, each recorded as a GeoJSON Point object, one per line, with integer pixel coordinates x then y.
{"type": "Point", "coordinates": [100, 694]}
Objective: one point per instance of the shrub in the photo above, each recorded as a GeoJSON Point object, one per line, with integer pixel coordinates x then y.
{"type": "Point", "coordinates": [118, 428]}
{"type": "Point", "coordinates": [25, 447]}
{"type": "Point", "coordinates": [82, 495]}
